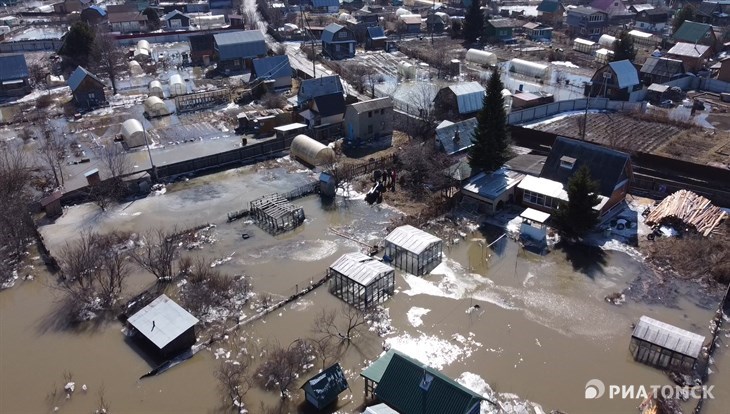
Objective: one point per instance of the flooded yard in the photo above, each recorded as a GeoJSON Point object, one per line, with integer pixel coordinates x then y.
{"type": "Point", "coordinates": [541, 329]}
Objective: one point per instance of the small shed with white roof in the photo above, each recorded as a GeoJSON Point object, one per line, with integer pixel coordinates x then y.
{"type": "Point", "coordinates": [413, 250]}
{"type": "Point", "coordinates": [665, 346]}
{"type": "Point", "coordinates": [361, 280]}
{"type": "Point", "coordinates": [164, 327]}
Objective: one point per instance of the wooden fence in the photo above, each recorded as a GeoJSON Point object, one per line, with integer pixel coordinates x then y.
{"type": "Point", "coordinates": [202, 100]}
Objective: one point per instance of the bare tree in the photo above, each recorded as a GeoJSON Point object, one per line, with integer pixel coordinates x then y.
{"type": "Point", "coordinates": [422, 169]}
{"type": "Point", "coordinates": [37, 74]}
{"type": "Point", "coordinates": [325, 348]}
{"type": "Point", "coordinates": [52, 149]}
{"type": "Point", "coordinates": [422, 100]}
{"type": "Point", "coordinates": [109, 57]}
{"type": "Point", "coordinates": [233, 380]}
{"type": "Point", "coordinates": [157, 253]}
{"type": "Point", "coordinates": [115, 160]}
{"type": "Point", "coordinates": [344, 325]}
{"type": "Point", "coordinates": [282, 366]}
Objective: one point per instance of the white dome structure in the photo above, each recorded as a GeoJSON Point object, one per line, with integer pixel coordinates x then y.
{"type": "Point", "coordinates": [527, 68]}
{"type": "Point", "coordinates": [141, 54]}
{"type": "Point", "coordinates": [135, 68]}
{"type": "Point", "coordinates": [607, 42]}
{"type": "Point", "coordinates": [155, 106]}
{"type": "Point", "coordinates": [144, 45]}
{"type": "Point", "coordinates": [133, 133]}
{"type": "Point", "coordinates": [311, 151]}
{"type": "Point", "coordinates": [401, 11]}
{"type": "Point", "coordinates": [481, 57]}
{"type": "Point", "coordinates": [156, 89]}
{"type": "Point", "coordinates": [177, 86]}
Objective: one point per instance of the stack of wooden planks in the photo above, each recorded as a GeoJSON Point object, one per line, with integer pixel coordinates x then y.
{"type": "Point", "coordinates": [691, 209]}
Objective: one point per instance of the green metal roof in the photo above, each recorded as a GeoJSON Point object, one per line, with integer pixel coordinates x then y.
{"type": "Point", "coordinates": [326, 386]}
{"type": "Point", "coordinates": [410, 387]}
{"type": "Point", "coordinates": [375, 371]}
{"type": "Point", "coordinates": [692, 32]}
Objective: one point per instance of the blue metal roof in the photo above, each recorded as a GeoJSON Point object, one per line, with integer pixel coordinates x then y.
{"type": "Point", "coordinates": [376, 33]}
{"type": "Point", "coordinates": [78, 76]}
{"type": "Point", "coordinates": [469, 96]}
{"type": "Point", "coordinates": [456, 137]}
{"type": "Point", "coordinates": [626, 73]}
{"type": "Point", "coordinates": [174, 13]}
{"type": "Point", "coordinates": [325, 3]}
{"type": "Point", "coordinates": [99, 9]}
{"type": "Point", "coordinates": [240, 44]}
{"type": "Point", "coordinates": [324, 85]}
{"type": "Point", "coordinates": [13, 67]}
{"type": "Point", "coordinates": [329, 32]}
{"type": "Point", "coordinates": [273, 67]}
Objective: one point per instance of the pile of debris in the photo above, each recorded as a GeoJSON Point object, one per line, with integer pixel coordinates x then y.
{"type": "Point", "coordinates": [687, 209]}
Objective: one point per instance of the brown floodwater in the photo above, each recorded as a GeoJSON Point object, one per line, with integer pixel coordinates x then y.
{"type": "Point", "coordinates": [543, 328]}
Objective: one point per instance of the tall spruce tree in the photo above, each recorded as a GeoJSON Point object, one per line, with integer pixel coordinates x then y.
{"type": "Point", "coordinates": [576, 217]}
{"type": "Point", "coordinates": [624, 48]}
{"type": "Point", "coordinates": [78, 43]}
{"type": "Point", "coordinates": [685, 13]}
{"type": "Point", "coordinates": [491, 139]}
{"type": "Point", "coordinates": [473, 22]}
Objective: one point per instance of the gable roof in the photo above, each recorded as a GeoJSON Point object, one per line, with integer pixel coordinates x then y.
{"type": "Point", "coordinates": [668, 336]}
{"type": "Point", "coordinates": [412, 239]}
{"type": "Point", "coordinates": [325, 85]}
{"type": "Point", "coordinates": [325, 3]}
{"type": "Point", "coordinates": [708, 9]}
{"type": "Point", "coordinates": [162, 321]}
{"type": "Point", "coordinates": [469, 96]}
{"type": "Point", "coordinates": [604, 5]}
{"type": "Point", "coordinates": [331, 104]}
{"type": "Point", "coordinates": [329, 32]}
{"type": "Point", "coordinates": [126, 16]}
{"type": "Point", "coordinates": [376, 33]}
{"type": "Point", "coordinates": [692, 32]}
{"type": "Point", "coordinates": [626, 73]}
{"type": "Point", "coordinates": [585, 10]}
{"type": "Point", "coordinates": [606, 165]}
{"type": "Point", "coordinates": [652, 13]}
{"type": "Point", "coordinates": [78, 76]}
{"type": "Point", "coordinates": [13, 67]}
{"type": "Point", "coordinates": [240, 44]}
{"type": "Point", "coordinates": [688, 49]}
{"type": "Point", "coordinates": [549, 6]}
{"type": "Point", "coordinates": [504, 23]}
{"type": "Point", "coordinates": [372, 105]}
{"type": "Point", "coordinates": [641, 7]}
{"type": "Point", "coordinates": [410, 19]}
{"type": "Point", "coordinates": [327, 385]}
{"type": "Point", "coordinates": [174, 13]}
{"type": "Point", "coordinates": [446, 135]}
{"type": "Point", "coordinates": [662, 66]}
{"type": "Point", "coordinates": [410, 387]}
{"type": "Point", "coordinates": [98, 9]}
{"type": "Point", "coordinates": [360, 268]}
{"type": "Point", "coordinates": [273, 67]}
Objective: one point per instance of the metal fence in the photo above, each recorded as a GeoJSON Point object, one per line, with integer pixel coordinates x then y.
{"type": "Point", "coordinates": [544, 111]}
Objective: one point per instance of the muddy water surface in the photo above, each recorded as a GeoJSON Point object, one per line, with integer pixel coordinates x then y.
{"type": "Point", "coordinates": [541, 331]}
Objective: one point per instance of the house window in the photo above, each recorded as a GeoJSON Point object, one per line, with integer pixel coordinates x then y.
{"type": "Point", "coordinates": [236, 63]}
{"type": "Point", "coordinates": [596, 18]}
{"type": "Point", "coordinates": [567, 162]}
{"type": "Point", "coordinates": [91, 95]}
{"type": "Point", "coordinates": [596, 31]}
{"type": "Point", "coordinates": [370, 129]}
{"type": "Point", "coordinates": [370, 114]}
{"type": "Point", "coordinates": [342, 34]}
{"type": "Point", "coordinates": [382, 111]}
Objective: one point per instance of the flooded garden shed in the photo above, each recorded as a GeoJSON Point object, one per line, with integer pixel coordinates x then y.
{"type": "Point", "coordinates": [361, 280]}
{"type": "Point", "coordinates": [324, 388]}
{"type": "Point", "coordinates": [665, 346]}
{"type": "Point", "coordinates": [164, 327]}
{"type": "Point", "coordinates": [413, 250]}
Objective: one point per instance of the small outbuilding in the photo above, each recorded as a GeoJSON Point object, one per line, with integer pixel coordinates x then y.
{"type": "Point", "coordinates": [154, 107]}
{"type": "Point", "coordinates": [665, 346]}
{"type": "Point", "coordinates": [133, 133]}
{"type": "Point", "coordinates": [177, 85]}
{"type": "Point", "coordinates": [361, 280]}
{"type": "Point", "coordinates": [86, 88]}
{"type": "Point", "coordinates": [375, 38]}
{"type": "Point", "coordinates": [533, 228]}
{"type": "Point", "coordinates": [52, 204]}
{"type": "Point", "coordinates": [413, 250]}
{"type": "Point", "coordinates": [156, 89]}
{"type": "Point", "coordinates": [323, 389]}
{"type": "Point", "coordinates": [491, 191]}
{"type": "Point", "coordinates": [311, 151]}
{"type": "Point", "coordinates": [164, 327]}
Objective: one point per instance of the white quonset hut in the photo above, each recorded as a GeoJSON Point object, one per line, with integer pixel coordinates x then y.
{"type": "Point", "coordinates": [156, 89]}
{"type": "Point", "coordinates": [311, 151]}
{"type": "Point", "coordinates": [155, 107]}
{"type": "Point", "coordinates": [413, 250]}
{"type": "Point", "coordinates": [665, 346]}
{"type": "Point", "coordinates": [177, 85]}
{"type": "Point", "coordinates": [135, 68]}
{"type": "Point", "coordinates": [361, 280]}
{"type": "Point", "coordinates": [164, 327]}
{"type": "Point", "coordinates": [481, 57]}
{"type": "Point", "coordinates": [527, 68]}
{"type": "Point", "coordinates": [133, 133]}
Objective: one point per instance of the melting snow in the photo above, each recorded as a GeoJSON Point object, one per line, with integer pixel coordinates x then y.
{"type": "Point", "coordinates": [504, 403]}
{"type": "Point", "coordinates": [415, 314]}
{"type": "Point", "coordinates": [432, 350]}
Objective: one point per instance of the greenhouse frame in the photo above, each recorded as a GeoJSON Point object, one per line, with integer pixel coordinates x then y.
{"type": "Point", "coordinates": [413, 250]}
{"type": "Point", "coordinates": [360, 280]}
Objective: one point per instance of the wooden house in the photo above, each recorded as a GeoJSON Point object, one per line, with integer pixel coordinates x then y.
{"type": "Point", "coordinates": [413, 250]}
{"type": "Point", "coordinates": [550, 12]}
{"type": "Point", "coordinates": [586, 22]}
{"type": "Point", "coordinates": [176, 20]}
{"type": "Point", "coordinates": [87, 89]}
{"type": "Point", "coordinates": [338, 42]}
{"type": "Point", "coordinates": [368, 120]}
{"type": "Point", "coordinates": [696, 34]}
{"type": "Point", "coordinates": [237, 49]}
{"type": "Point", "coordinates": [501, 30]}
{"type": "Point", "coordinates": [693, 56]}
{"type": "Point", "coordinates": [128, 22]}
{"type": "Point", "coordinates": [274, 70]}
{"type": "Point", "coordinates": [94, 15]}
{"type": "Point", "coordinates": [459, 101]}
{"type": "Point", "coordinates": [14, 75]}
{"type": "Point", "coordinates": [375, 38]}
{"type": "Point", "coordinates": [618, 80]}
{"type": "Point", "coordinates": [164, 327]}
{"type": "Point", "coordinates": [202, 48]}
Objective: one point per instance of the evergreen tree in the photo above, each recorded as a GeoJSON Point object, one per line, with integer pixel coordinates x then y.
{"type": "Point", "coordinates": [491, 147]}
{"type": "Point", "coordinates": [623, 48]}
{"type": "Point", "coordinates": [575, 218]}
{"type": "Point", "coordinates": [78, 43]}
{"type": "Point", "coordinates": [685, 13]}
{"type": "Point", "coordinates": [153, 19]}
{"type": "Point", "coordinates": [473, 22]}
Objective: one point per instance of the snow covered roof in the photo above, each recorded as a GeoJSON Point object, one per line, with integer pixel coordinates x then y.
{"type": "Point", "coordinates": [668, 336]}
{"type": "Point", "coordinates": [543, 186]}
{"type": "Point", "coordinates": [492, 185]}
{"type": "Point", "coordinates": [360, 268]}
{"type": "Point", "coordinates": [456, 137]}
{"type": "Point", "coordinates": [535, 215]}
{"type": "Point", "coordinates": [469, 96]}
{"type": "Point", "coordinates": [412, 239]}
{"type": "Point", "coordinates": [380, 409]}
{"type": "Point", "coordinates": [326, 386]}
{"type": "Point", "coordinates": [78, 76]}
{"type": "Point", "coordinates": [162, 321]}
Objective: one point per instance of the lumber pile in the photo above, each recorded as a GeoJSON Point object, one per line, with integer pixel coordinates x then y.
{"type": "Point", "coordinates": [689, 208]}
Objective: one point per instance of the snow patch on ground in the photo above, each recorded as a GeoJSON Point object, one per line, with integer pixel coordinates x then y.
{"type": "Point", "coordinates": [567, 64]}
{"type": "Point", "coordinates": [503, 403]}
{"type": "Point", "coordinates": [415, 314]}
{"type": "Point", "coordinates": [432, 350]}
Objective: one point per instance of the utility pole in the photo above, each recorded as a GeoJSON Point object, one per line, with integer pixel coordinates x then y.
{"type": "Point", "coordinates": [585, 114]}
{"type": "Point", "coordinates": [149, 153]}
{"type": "Point", "coordinates": [433, 19]}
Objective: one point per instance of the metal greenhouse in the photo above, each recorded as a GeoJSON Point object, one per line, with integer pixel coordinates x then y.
{"type": "Point", "coordinates": [527, 68]}
{"type": "Point", "coordinates": [361, 280]}
{"type": "Point", "coordinates": [177, 86]}
{"type": "Point", "coordinates": [311, 151]}
{"type": "Point", "coordinates": [155, 106]}
{"type": "Point", "coordinates": [413, 250]}
{"type": "Point", "coordinates": [481, 57]}
{"type": "Point", "coordinates": [665, 346]}
{"type": "Point", "coordinates": [156, 89]}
